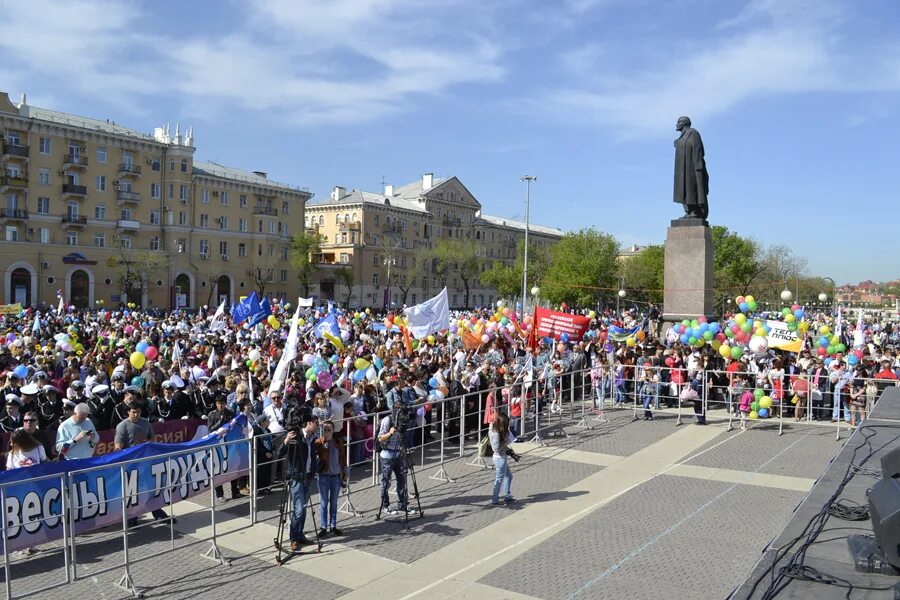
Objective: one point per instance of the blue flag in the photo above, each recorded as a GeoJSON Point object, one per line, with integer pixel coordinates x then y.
{"type": "Point", "coordinates": [264, 311]}
{"type": "Point", "coordinates": [246, 308]}
{"type": "Point", "coordinates": [328, 325]}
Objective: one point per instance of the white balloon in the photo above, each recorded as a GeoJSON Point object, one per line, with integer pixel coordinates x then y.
{"type": "Point", "coordinates": [254, 355]}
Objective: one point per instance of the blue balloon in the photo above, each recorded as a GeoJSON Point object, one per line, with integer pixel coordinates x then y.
{"type": "Point", "coordinates": [433, 382]}
{"type": "Point", "coordinates": [763, 413]}
{"type": "Point", "coordinates": [715, 328]}
{"type": "Point", "coordinates": [564, 337]}
{"type": "Point", "coordinates": [704, 327]}
{"type": "Point", "coordinates": [21, 371]}
{"type": "Point", "coordinates": [685, 338]}
{"type": "Point", "coordinates": [824, 341]}
{"type": "Point", "coordinates": [359, 375]}
{"type": "Point", "coordinates": [378, 363]}
{"type": "Point", "coordinates": [142, 347]}
{"type": "Point", "coordinates": [798, 313]}
{"type": "Point", "coordinates": [744, 306]}
{"type": "Point", "coordinates": [853, 360]}
{"type": "Point", "coordinates": [828, 361]}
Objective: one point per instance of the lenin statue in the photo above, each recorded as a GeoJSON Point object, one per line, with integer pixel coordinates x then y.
{"type": "Point", "coordinates": [691, 177]}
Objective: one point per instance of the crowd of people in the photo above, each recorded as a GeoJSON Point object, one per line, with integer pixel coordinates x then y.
{"type": "Point", "coordinates": [76, 372]}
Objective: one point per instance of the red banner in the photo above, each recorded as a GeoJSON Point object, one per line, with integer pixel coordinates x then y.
{"type": "Point", "coordinates": [551, 323]}
{"type": "Point", "coordinates": [167, 432]}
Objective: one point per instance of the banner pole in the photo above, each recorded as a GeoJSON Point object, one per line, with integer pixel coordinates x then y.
{"type": "Point", "coordinates": [72, 510]}
{"type": "Point", "coordinates": [65, 528]}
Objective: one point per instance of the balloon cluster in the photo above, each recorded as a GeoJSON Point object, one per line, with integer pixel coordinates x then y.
{"type": "Point", "coordinates": [143, 352]}
{"type": "Point", "coordinates": [503, 323]}
{"type": "Point", "coordinates": [761, 407]}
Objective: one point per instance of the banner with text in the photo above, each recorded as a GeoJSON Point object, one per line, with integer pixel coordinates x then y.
{"type": "Point", "coordinates": [782, 338]}
{"type": "Point", "coordinates": [551, 323]}
{"type": "Point", "coordinates": [154, 475]}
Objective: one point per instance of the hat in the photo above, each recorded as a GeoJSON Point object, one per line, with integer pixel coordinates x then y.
{"type": "Point", "coordinates": [77, 385]}
{"type": "Point", "coordinates": [51, 388]}
{"type": "Point", "coordinates": [69, 403]}
{"type": "Point", "coordinates": [30, 390]}
{"type": "Point", "coordinates": [40, 375]}
{"type": "Point", "coordinates": [133, 389]}
{"type": "Point", "coordinates": [168, 385]}
{"type": "Point", "coordinates": [214, 380]}
{"type": "Point", "coordinates": [99, 389]}
{"type": "Point", "coordinates": [13, 399]}
{"type": "Point", "coordinates": [177, 381]}
{"type": "Point", "coordinates": [118, 376]}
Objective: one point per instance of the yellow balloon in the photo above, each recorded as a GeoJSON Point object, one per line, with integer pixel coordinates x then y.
{"type": "Point", "coordinates": [825, 330]}
{"type": "Point", "coordinates": [630, 342]}
{"type": "Point", "coordinates": [753, 414]}
{"type": "Point", "coordinates": [301, 322]}
{"type": "Point", "coordinates": [749, 299]}
{"type": "Point", "coordinates": [789, 318]}
{"type": "Point", "coordinates": [430, 339]}
{"type": "Point", "coordinates": [765, 402]}
{"type": "Point", "coordinates": [725, 350]}
{"type": "Point", "coordinates": [740, 318]}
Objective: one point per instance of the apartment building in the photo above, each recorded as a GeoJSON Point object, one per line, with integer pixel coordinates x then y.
{"type": "Point", "coordinates": [378, 240]}
{"type": "Point", "coordinates": [100, 212]}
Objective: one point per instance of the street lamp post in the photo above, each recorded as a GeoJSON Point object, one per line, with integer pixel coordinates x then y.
{"type": "Point", "coordinates": [823, 297]}
{"type": "Point", "coordinates": [389, 262]}
{"type": "Point", "coordinates": [528, 179]}
{"type": "Point", "coordinates": [621, 293]}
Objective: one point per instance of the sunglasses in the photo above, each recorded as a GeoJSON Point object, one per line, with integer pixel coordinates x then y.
{"type": "Point", "coordinates": [29, 420]}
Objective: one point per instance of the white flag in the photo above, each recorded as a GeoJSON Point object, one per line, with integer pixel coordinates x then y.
{"type": "Point", "coordinates": [218, 322]}
{"type": "Point", "coordinates": [305, 302]}
{"type": "Point", "coordinates": [859, 338]}
{"type": "Point", "coordinates": [37, 322]}
{"type": "Point", "coordinates": [61, 308]}
{"type": "Point", "coordinates": [431, 316]}
{"type": "Point", "coordinates": [289, 354]}
{"type": "Point", "coordinates": [211, 363]}
{"type": "Point", "coordinates": [176, 354]}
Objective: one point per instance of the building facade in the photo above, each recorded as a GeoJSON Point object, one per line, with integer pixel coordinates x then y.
{"type": "Point", "coordinates": [101, 213]}
{"type": "Point", "coordinates": [373, 246]}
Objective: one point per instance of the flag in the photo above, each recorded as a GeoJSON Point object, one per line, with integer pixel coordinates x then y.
{"type": "Point", "coordinates": [470, 340]}
{"type": "Point", "coordinates": [406, 340]}
{"type": "Point", "coordinates": [839, 326]}
{"type": "Point", "coordinates": [288, 355]}
{"type": "Point", "coordinates": [176, 353]}
{"type": "Point", "coordinates": [305, 302]}
{"type": "Point", "coordinates": [859, 337]}
{"type": "Point", "coordinates": [246, 308]}
{"type": "Point", "coordinates": [61, 308]}
{"type": "Point", "coordinates": [327, 325]}
{"type": "Point", "coordinates": [36, 326]}
{"type": "Point", "coordinates": [211, 363]}
{"type": "Point", "coordinates": [262, 313]}
{"type": "Point", "coordinates": [218, 321]}
{"type": "Point", "coordinates": [620, 334]}
{"type": "Point", "coordinates": [431, 316]}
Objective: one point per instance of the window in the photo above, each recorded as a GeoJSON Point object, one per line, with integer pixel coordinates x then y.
{"type": "Point", "coordinates": [72, 238]}
{"type": "Point", "coordinates": [259, 226]}
{"type": "Point", "coordinates": [345, 258]}
{"type": "Point", "coordinates": [13, 139]}
{"type": "Point", "coordinates": [375, 279]}
{"type": "Point", "coordinates": [223, 198]}
{"type": "Point", "coordinates": [45, 145]}
{"type": "Point", "coordinates": [182, 217]}
{"type": "Point", "coordinates": [101, 155]}
{"type": "Point", "coordinates": [223, 248]}
{"type": "Point", "coordinates": [12, 233]}
{"type": "Point", "coordinates": [242, 224]}
{"type": "Point", "coordinates": [171, 166]}
{"type": "Point", "coordinates": [154, 243]}
{"type": "Point", "coordinates": [125, 241]}
{"type": "Point", "coordinates": [154, 191]}
{"type": "Point", "coordinates": [43, 205]}
{"type": "Point", "coordinates": [284, 208]}
{"type": "Point", "coordinates": [154, 165]}
{"type": "Point", "coordinates": [337, 218]}
{"type": "Point", "coordinates": [204, 196]}
{"type": "Point", "coordinates": [344, 238]}
{"type": "Point", "coordinates": [44, 235]}
{"type": "Point", "coordinates": [259, 249]}
{"type": "Point", "coordinates": [43, 176]}
{"type": "Point", "coordinates": [283, 275]}
{"type": "Point", "coordinates": [271, 250]}
{"type": "Point", "coordinates": [204, 220]}
{"type": "Point", "coordinates": [242, 249]}
{"type": "Point", "coordinates": [125, 214]}
{"type": "Point", "coordinates": [402, 262]}
{"type": "Point", "coordinates": [100, 212]}
{"type": "Point", "coordinates": [154, 217]}
{"type": "Point", "coordinates": [223, 222]}
{"type": "Point", "coordinates": [171, 191]}
{"type": "Point", "coordinates": [375, 220]}
{"type": "Point", "coordinates": [284, 253]}
{"type": "Point", "coordinates": [321, 220]}
{"type": "Point", "coordinates": [271, 226]}
{"type": "Point", "coordinates": [376, 260]}
{"type": "Point", "coordinates": [183, 192]}
{"type": "Point", "coordinates": [184, 165]}
{"type": "Point", "coordinates": [100, 240]}
{"type": "Point", "coordinates": [101, 183]}
{"type": "Point", "coordinates": [204, 247]}
{"type": "Point", "coordinates": [243, 200]}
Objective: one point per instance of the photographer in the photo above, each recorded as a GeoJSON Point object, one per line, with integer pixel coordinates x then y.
{"type": "Point", "coordinates": [77, 435]}
{"type": "Point", "coordinates": [301, 468]}
{"type": "Point", "coordinates": [392, 460]}
{"type": "Point", "coordinates": [500, 439]}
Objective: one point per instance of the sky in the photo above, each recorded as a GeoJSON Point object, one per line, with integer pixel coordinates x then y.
{"type": "Point", "coordinates": [796, 101]}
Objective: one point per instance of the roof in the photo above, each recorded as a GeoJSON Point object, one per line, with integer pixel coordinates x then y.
{"type": "Point", "coordinates": [360, 197]}
{"type": "Point", "coordinates": [416, 189]}
{"type": "Point", "coordinates": [211, 169]}
{"type": "Point", "coordinates": [54, 116]}
{"type": "Point", "coordinates": [502, 222]}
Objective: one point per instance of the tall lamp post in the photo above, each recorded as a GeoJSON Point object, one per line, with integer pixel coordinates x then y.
{"type": "Point", "coordinates": [823, 297]}
{"type": "Point", "coordinates": [620, 294]}
{"type": "Point", "coordinates": [528, 179]}
{"type": "Point", "coordinates": [389, 262]}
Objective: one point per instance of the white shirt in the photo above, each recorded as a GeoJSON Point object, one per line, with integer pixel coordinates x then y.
{"type": "Point", "coordinates": [276, 418]}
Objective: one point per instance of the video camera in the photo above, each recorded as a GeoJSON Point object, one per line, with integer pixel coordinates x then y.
{"type": "Point", "coordinates": [400, 415]}
{"type": "Point", "coordinates": [296, 417]}
{"type": "Point", "coordinates": [513, 454]}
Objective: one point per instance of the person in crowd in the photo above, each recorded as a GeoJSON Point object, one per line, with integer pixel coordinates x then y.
{"type": "Point", "coordinates": [332, 476]}
{"type": "Point", "coordinates": [392, 462]}
{"type": "Point", "coordinates": [500, 439]}
{"type": "Point", "coordinates": [77, 436]}
{"type": "Point", "coordinates": [13, 418]}
{"type": "Point", "coordinates": [299, 451]}
{"type": "Point", "coordinates": [218, 418]}
{"type": "Point", "coordinates": [134, 430]}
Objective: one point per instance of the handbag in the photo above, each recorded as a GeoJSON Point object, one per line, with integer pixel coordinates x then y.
{"type": "Point", "coordinates": [484, 448]}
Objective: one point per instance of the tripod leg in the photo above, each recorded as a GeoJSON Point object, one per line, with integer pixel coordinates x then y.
{"type": "Point", "coordinates": [315, 527]}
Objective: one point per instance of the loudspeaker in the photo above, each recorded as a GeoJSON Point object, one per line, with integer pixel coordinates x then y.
{"type": "Point", "coordinates": [884, 507]}
{"type": "Point", "coordinates": [890, 464]}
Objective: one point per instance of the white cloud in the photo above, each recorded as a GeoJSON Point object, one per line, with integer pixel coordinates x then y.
{"type": "Point", "coordinates": [302, 62]}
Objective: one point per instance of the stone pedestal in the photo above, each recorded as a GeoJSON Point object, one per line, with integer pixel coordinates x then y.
{"type": "Point", "coordinates": [688, 277]}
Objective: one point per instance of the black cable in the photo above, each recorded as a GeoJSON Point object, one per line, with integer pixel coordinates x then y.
{"type": "Point", "coordinates": [848, 510]}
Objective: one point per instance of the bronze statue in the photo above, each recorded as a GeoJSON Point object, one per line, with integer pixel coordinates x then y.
{"type": "Point", "coordinates": [691, 176]}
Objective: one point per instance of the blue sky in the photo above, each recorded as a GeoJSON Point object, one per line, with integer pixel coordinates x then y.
{"type": "Point", "coordinates": [796, 101]}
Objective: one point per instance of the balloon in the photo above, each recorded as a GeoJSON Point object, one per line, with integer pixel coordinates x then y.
{"type": "Point", "coordinates": [324, 380]}
{"type": "Point", "coordinates": [758, 344]}
{"type": "Point", "coordinates": [273, 322]}
{"type": "Point", "coordinates": [420, 411]}
{"type": "Point", "coordinates": [758, 393]}
{"type": "Point", "coordinates": [129, 330]}
{"type": "Point", "coordinates": [137, 381]}
{"type": "Point", "coordinates": [137, 360]}
{"type": "Point", "coordinates": [361, 364]}
{"type": "Point", "coordinates": [485, 339]}
{"type": "Point", "coordinates": [840, 348]}
{"type": "Point", "coordinates": [763, 413]}
{"type": "Point", "coordinates": [725, 350]}
{"type": "Point", "coordinates": [254, 355]}
{"type": "Point", "coordinates": [824, 329]}
{"type": "Point", "coordinates": [564, 338]}
{"type": "Point", "coordinates": [430, 339]}
{"type": "Point", "coordinates": [752, 306]}
{"type": "Point", "coordinates": [753, 415]}
{"type": "Point", "coordinates": [754, 405]}
{"type": "Point", "coordinates": [345, 335]}
{"type": "Point", "coordinates": [852, 360]}
{"type": "Point", "coordinates": [151, 352]}
{"type": "Point", "coordinates": [736, 353]}
{"type": "Point", "coordinates": [744, 307]}
{"type": "Point", "coordinates": [371, 375]}
{"type": "Point", "coordinates": [765, 402]}
{"type": "Point", "coordinates": [433, 382]}
{"type": "Point", "coordinates": [740, 319]}
{"type": "Point", "coordinates": [310, 374]}
{"type": "Point", "coordinates": [379, 364]}
{"type": "Point", "coordinates": [21, 370]}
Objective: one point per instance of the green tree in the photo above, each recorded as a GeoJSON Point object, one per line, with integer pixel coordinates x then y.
{"type": "Point", "coordinates": [580, 263]}
{"type": "Point", "coordinates": [304, 248]}
{"type": "Point", "coordinates": [459, 258]}
{"type": "Point", "coordinates": [738, 262]}
{"type": "Point", "coordinates": [135, 270]}
{"type": "Point", "coordinates": [346, 275]}
{"type": "Point", "coordinates": [507, 279]}
{"type": "Point", "coordinates": [644, 275]}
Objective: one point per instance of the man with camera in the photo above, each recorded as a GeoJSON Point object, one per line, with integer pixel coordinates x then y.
{"type": "Point", "coordinates": [390, 430]}
{"type": "Point", "coordinates": [77, 435]}
{"type": "Point", "coordinates": [300, 467]}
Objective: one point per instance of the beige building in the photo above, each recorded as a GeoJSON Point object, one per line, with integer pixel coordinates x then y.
{"type": "Point", "coordinates": [95, 210]}
{"type": "Point", "coordinates": [379, 239]}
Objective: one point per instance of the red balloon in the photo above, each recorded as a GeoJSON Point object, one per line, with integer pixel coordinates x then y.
{"type": "Point", "coordinates": [821, 351]}
{"type": "Point", "coordinates": [669, 361]}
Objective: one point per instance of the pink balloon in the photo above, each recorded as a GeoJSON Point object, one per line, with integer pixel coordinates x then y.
{"type": "Point", "coordinates": [129, 329]}
{"type": "Point", "coordinates": [151, 353]}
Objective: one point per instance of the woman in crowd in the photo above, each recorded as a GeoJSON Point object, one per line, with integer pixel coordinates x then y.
{"type": "Point", "coordinates": [500, 439]}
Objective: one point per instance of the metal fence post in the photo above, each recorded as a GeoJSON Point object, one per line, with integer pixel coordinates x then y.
{"type": "Point", "coordinates": [73, 507]}
{"type": "Point", "coordinates": [252, 477]}
{"type": "Point", "coordinates": [441, 474]}
{"type": "Point", "coordinates": [462, 424]}
{"type": "Point", "coordinates": [126, 582]}
{"type": "Point", "coordinates": [6, 552]}
{"type": "Point", "coordinates": [347, 507]}
{"type": "Point", "coordinates": [65, 527]}
{"type": "Point", "coordinates": [213, 552]}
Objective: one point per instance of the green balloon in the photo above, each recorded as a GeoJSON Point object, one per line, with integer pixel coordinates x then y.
{"type": "Point", "coordinates": [830, 349]}
{"type": "Point", "coordinates": [752, 305]}
{"type": "Point", "coordinates": [840, 348]}
{"type": "Point", "coordinates": [754, 406]}
{"type": "Point", "coordinates": [686, 323]}
{"type": "Point", "coordinates": [736, 352]}
{"type": "Point", "coordinates": [746, 326]}
{"type": "Point", "coordinates": [692, 340]}
{"type": "Point", "coordinates": [695, 324]}
{"type": "Point", "coordinates": [728, 332]}
{"type": "Point", "coordinates": [757, 393]}
{"type": "Point", "coordinates": [707, 335]}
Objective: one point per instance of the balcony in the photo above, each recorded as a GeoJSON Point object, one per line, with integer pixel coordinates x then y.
{"type": "Point", "coordinates": [13, 214]}
{"type": "Point", "coordinates": [74, 190]}
{"type": "Point", "coordinates": [509, 243]}
{"type": "Point", "coordinates": [451, 221]}
{"type": "Point", "coordinates": [354, 226]}
{"type": "Point", "coordinates": [260, 209]}
{"type": "Point", "coordinates": [8, 181]}
{"type": "Point", "coordinates": [74, 221]}
{"type": "Point", "coordinates": [75, 161]}
{"type": "Point", "coordinates": [129, 170]}
{"type": "Point", "coordinates": [126, 225]}
{"type": "Point", "coordinates": [126, 197]}
{"type": "Point", "coordinates": [16, 151]}
{"type": "Point", "coordinates": [391, 228]}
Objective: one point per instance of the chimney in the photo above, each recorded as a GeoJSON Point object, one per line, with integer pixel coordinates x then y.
{"type": "Point", "coordinates": [427, 181]}
{"type": "Point", "coordinates": [260, 174]}
{"type": "Point", "coordinates": [389, 190]}
{"type": "Point", "coordinates": [338, 193]}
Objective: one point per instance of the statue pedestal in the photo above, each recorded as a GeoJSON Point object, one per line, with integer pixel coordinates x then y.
{"type": "Point", "coordinates": [688, 273]}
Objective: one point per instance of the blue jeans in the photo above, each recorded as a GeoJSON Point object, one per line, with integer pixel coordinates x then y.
{"type": "Point", "coordinates": [329, 490]}
{"type": "Point", "coordinates": [502, 475]}
{"type": "Point", "coordinates": [300, 491]}
{"type": "Point", "coordinates": [838, 402]}
{"type": "Point", "coordinates": [393, 464]}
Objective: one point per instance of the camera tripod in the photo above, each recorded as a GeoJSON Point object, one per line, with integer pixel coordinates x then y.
{"type": "Point", "coordinates": [411, 472]}
{"type": "Point", "coordinates": [283, 516]}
